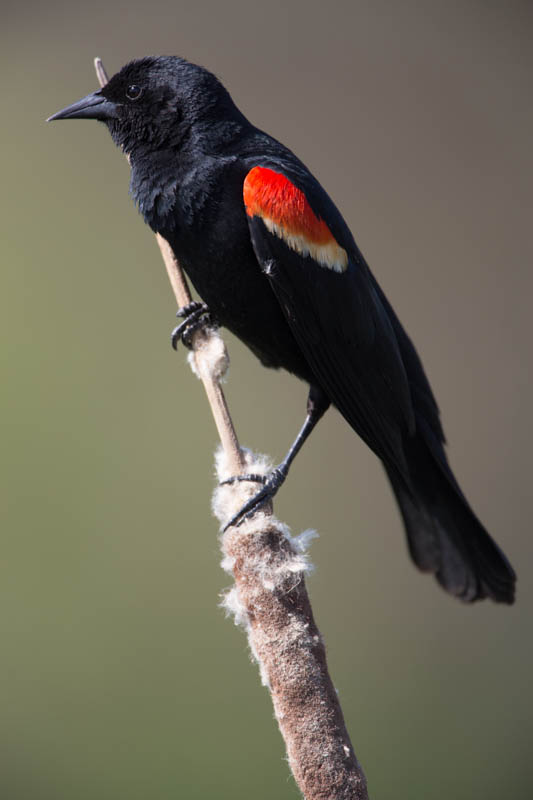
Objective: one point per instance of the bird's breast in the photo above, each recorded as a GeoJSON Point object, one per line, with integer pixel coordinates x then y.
{"type": "Point", "coordinates": [211, 241]}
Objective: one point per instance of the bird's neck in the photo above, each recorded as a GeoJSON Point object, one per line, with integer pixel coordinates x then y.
{"type": "Point", "coordinates": [159, 174]}
{"type": "Point", "coordinates": [155, 177]}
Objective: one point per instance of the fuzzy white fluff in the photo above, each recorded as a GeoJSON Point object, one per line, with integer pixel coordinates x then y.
{"type": "Point", "coordinates": [209, 355]}
{"type": "Point", "coordinates": [265, 570]}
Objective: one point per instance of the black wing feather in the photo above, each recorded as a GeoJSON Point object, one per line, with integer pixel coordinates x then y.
{"type": "Point", "coordinates": [365, 362]}
{"type": "Point", "coordinates": [347, 338]}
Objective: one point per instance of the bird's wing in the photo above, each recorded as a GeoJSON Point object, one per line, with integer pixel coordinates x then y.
{"type": "Point", "coordinates": [330, 302]}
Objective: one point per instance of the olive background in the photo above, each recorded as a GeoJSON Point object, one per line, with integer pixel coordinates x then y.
{"type": "Point", "coordinates": [120, 676]}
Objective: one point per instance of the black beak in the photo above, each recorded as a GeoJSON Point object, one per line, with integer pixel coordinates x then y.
{"type": "Point", "coordinates": [94, 106]}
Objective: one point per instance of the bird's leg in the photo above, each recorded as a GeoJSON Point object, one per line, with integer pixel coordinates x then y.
{"type": "Point", "coordinates": [197, 315]}
{"type": "Point", "coordinates": [317, 404]}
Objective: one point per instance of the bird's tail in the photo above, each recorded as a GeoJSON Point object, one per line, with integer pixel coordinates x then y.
{"type": "Point", "coordinates": [444, 535]}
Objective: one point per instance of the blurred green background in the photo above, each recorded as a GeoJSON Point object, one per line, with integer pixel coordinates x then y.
{"type": "Point", "coordinates": [120, 677]}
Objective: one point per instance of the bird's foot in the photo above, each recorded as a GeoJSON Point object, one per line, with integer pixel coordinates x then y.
{"type": "Point", "coordinates": [271, 484]}
{"type": "Point", "coordinates": [197, 315]}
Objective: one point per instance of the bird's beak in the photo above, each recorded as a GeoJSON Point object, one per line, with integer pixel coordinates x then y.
{"type": "Point", "coordinates": [94, 106]}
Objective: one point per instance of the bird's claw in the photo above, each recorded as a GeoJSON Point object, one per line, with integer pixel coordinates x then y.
{"type": "Point", "coordinates": [271, 485]}
{"type": "Point", "coordinates": [237, 478]}
{"type": "Point", "coordinates": [197, 315]}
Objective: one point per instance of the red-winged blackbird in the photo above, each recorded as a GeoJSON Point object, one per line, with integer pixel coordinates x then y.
{"type": "Point", "coordinates": [274, 261]}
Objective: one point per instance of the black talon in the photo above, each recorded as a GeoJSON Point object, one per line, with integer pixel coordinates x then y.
{"type": "Point", "coordinates": [193, 326]}
{"type": "Point", "coordinates": [272, 484]}
{"type": "Point", "coordinates": [197, 315]}
{"type": "Point", "coordinates": [317, 404]}
{"type": "Point", "coordinates": [181, 329]}
{"type": "Point", "coordinates": [251, 478]}
{"type": "Point", "coordinates": [194, 305]}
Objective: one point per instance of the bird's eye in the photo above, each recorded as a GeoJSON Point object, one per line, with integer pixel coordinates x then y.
{"type": "Point", "coordinates": [133, 92]}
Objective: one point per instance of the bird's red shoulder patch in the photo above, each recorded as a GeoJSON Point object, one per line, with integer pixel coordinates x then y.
{"type": "Point", "coordinates": [286, 213]}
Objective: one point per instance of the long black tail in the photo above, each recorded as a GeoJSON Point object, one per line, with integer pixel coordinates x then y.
{"type": "Point", "coordinates": [444, 535]}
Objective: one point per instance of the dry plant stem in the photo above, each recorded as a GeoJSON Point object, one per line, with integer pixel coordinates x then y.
{"type": "Point", "coordinates": [204, 343]}
{"type": "Point", "coordinates": [270, 597]}
{"type": "Point", "coordinates": [270, 600]}
{"type": "Point", "coordinates": [287, 644]}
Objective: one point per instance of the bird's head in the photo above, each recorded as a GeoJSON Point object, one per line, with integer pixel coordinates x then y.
{"type": "Point", "coordinates": [156, 102]}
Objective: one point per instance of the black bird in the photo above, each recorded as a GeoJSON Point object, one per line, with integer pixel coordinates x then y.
{"type": "Point", "coordinates": [274, 261]}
